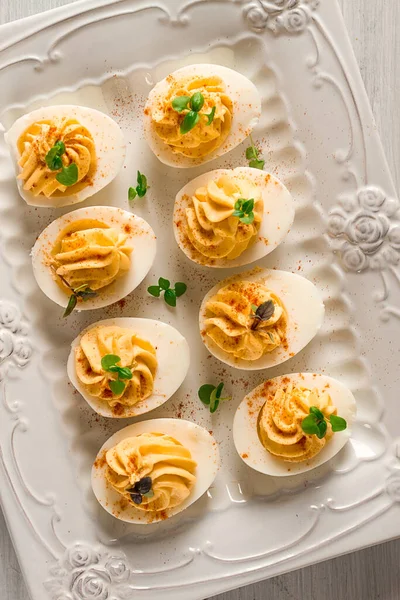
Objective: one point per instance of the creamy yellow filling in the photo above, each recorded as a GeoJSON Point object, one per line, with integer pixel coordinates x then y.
{"type": "Point", "coordinates": [279, 424]}
{"type": "Point", "coordinates": [230, 318]}
{"type": "Point", "coordinates": [89, 252]}
{"type": "Point", "coordinates": [162, 458]}
{"type": "Point", "coordinates": [211, 228]}
{"type": "Point", "coordinates": [38, 139]}
{"type": "Point", "coordinates": [135, 353]}
{"type": "Point", "coordinates": [203, 138]}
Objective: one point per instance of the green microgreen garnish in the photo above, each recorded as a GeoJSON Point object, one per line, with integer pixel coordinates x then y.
{"type": "Point", "coordinates": [68, 175]}
{"type": "Point", "coordinates": [84, 292]}
{"type": "Point", "coordinates": [53, 157]}
{"type": "Point", "coordinates": [109, 364]}
{"type": "Point", "coordinates": [192, 106]}
{"type": "Point", "coordinates": [244, 210]}
{"type": "Point", "coordinates": [170, 294]}
{"type": "Point", "coordinates": [253, 156]}
{"type": "Point", "coordinates": [141, 188]}
{"type": "Point", "coordinates": [140, 489]}
{"type": "Point", "coordinates": [317, 424]}
{"type": "Point", "coordinates": [191, 119]}
{"type": "Point", "coordinates": [210, 116]}
{"type": "Point", "coordinates": [197, 102]}
{"type": "Point", "coordinates": [180, 103]}
{"type": "Point", "coordinates": [210, 395]}
{"type": "Point", "coordinates": [262, 313]}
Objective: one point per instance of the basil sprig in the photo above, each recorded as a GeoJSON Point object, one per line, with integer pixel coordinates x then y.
{"type": "Point", "coordinates": [170, 294]}
{"type": "Point", "coordinates": [141, 188]}
{"type": "Point", "coordinates": [142, 488]}
{"type": "Point", "coordinates": [253, 156]}
{"type": "Point", "coordinates": [210, 395]}
{"type": "Point", "coordinates": [192, 106]}
{"type": "Point", "coordinates": [68, 175]}
{"type": "Point", "coordinates": [317, 424]}
{"type": "Point", "coordinates": [262, 313]}
{"type": "Point", "coordinates": [84, 292]}
{"type": "Point", "coordinates": [109, 364]}
{"type": "Point", "coordinates": [244, 210]}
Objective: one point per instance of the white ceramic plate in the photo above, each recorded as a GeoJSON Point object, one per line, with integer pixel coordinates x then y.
{"type": "Point", "coordinates": [314, 113]}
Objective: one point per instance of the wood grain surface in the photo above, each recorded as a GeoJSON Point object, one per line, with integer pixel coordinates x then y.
{"type": "Point", "coordinates": [372, 574]}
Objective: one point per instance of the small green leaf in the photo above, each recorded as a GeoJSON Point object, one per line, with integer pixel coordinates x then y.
{"type": "Point", "coordinates": [248, 205]}
{"type": "Point", "coordinates": [71, 305]}
{"type": "Point", "coordinates": [180, 103]}
{"type": "Point", "coordinates": [60, 147]}
{"type": "Point", "coordinates": [210, 116]}
{"type": "Point", "coordinates": [154, 290]}
{"type": "Point", "coordinates": [81, 288]}
{"type": "Point", "coordinates": [247, 219]}
{"type": "Point", "coordinates": [338, 423]}
{"type": "Point", "coordinates": [117, 387]}
{"type": "Point", "coordinates": [124, 373]}
{"type": "Point", "coordinates": [257, 164]}
{"type": "Point", "coordinates": [214, 401]}
{"type": "Point", "coordinates": [254, 308]}
{"type": "Point", "coordinates": [53, 157]}
{"type": "Point", "coordinates": [109, 360]}
{"type": "Point", "coordinates": [53, 160]}
{"type": "Point", "coordinates": [141, 187]}
{"type": "Point", "coordinates": [170, 297]}
{"type": "Point", "coordinates": [191, 119]}
{"type": "Point", "coordinates": [205, 392]}
{"type": "Point", "coordinates": [322, 428]}
{"type": "Point", "coordinates": [68, 176]}
{"type": "Point", "coordinates": [214, 407]}
{"type": "Point", "coordinates": [218, 390]}
{"type": "Point", "coordinates": [263, 313]}
{"type": "Point", "coordinates": [86, 293]}
{"type": "Point", "coordinates": [309, 425]}
{"type": "Point", "coordinates": [251, 153]}
{"type": "Point", "coordinates": [197, 102]}
{"type": "Point", "coordinates": [149, 494]}
{"type": "Point", "coordinates": [164, 283]}
{"type": "Point", "coordinates": [238, 213]}
{"type": "Point", "coordinates": [132, 193]}
{"type": "Point", "coordinates": [314, 410]}
{"type": "Point", "coordinates": [136, 498]}
{"type": "Point", "coordinates": [180, 289]}
{"type": "Point", "coordinates": [143, 486]}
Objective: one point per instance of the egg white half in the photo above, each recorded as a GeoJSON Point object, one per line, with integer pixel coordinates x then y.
{"type": "Point", "coordinates": [173, 359]}
{"type": "Point", "coordinates": [203, 448]}
{"type": "Point", "coordinates": [246, 113]}
{"type": "Point", "coordinates": [141, 238]}
{"type": "Point", "coordinates": [303, 303]}
{"type": "Point", "coordinates": [245, 433]}
{"type": "Point", "coordinates": [109, 142]}
{"type": "Point", "coordinates": [277, 219]}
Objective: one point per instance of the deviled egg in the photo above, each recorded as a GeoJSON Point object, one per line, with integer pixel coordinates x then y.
{"type": "Point", "coordinates": [198, 113]}
{"type": "Point", "coordinates": [64, 154]}
{"type": "Point", "coordinates": [153, 470]}
{"type": "Point", "coordinates": [126, 367]}
{"type": "Point", "coordinates": [260, 318]}
{"type": "Point", "coordinates": [293, 423]}
{"type": "Point", "coordinates": [229, 218]}
{"type": "Point", "coordinates": [97, 255]}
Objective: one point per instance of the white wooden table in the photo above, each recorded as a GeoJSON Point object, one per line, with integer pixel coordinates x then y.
{"type": "Point", "coordinates": [373, 574]}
